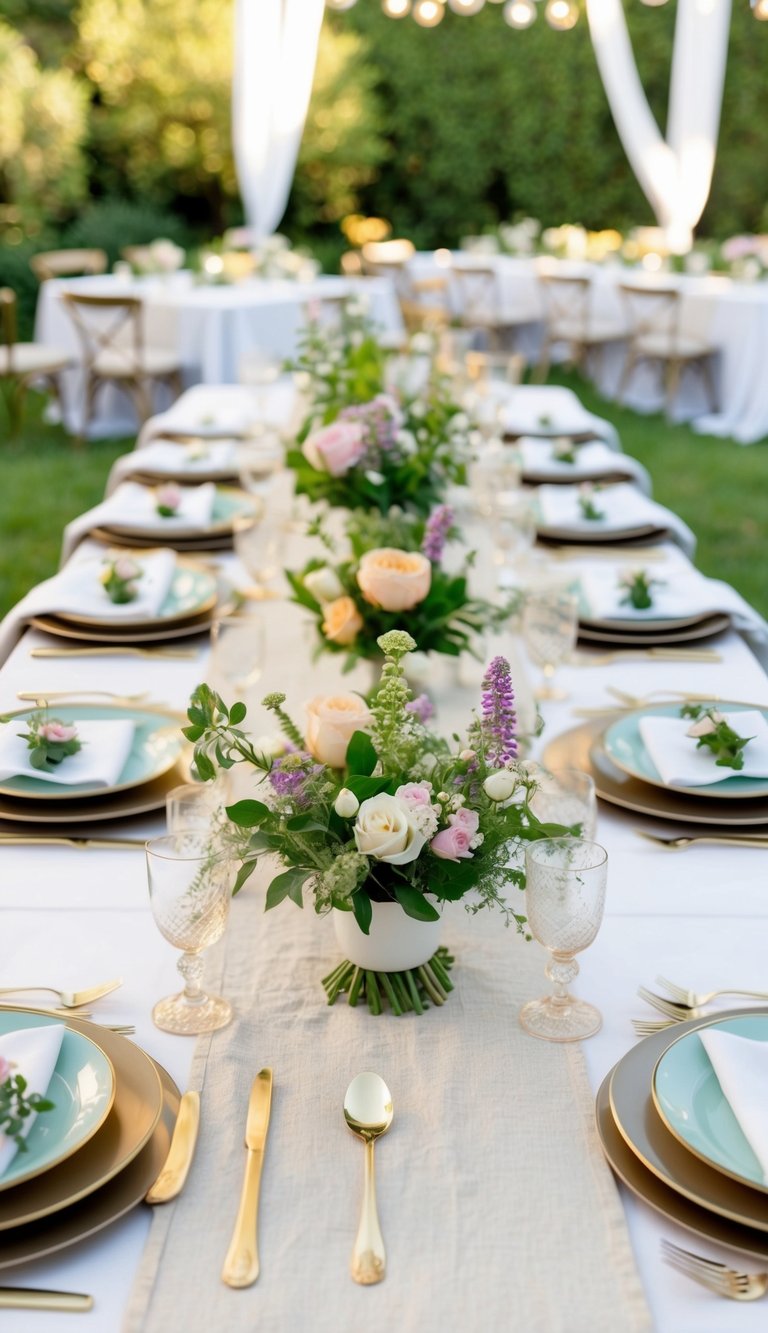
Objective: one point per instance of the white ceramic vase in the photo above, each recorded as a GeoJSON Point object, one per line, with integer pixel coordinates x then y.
{"type": "Point", "coordinates": [396, 942]}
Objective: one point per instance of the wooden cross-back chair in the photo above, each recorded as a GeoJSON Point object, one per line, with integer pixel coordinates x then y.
{"type": "Point", "coordinates": [22, 364]}
{"type": "Point", "coordinates": [569, 318]}
{"type": "Point", "coordinates": [656, 333]}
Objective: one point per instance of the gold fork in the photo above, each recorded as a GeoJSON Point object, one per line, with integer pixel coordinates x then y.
{"type": "Point", "coordinates": [719, 840]}
{"type": "Point", "coordinates": [647, 1027]}
{"type": "Point", "coordinates": [689, 999]}
{"type": "Point", "coordinates": [49, 695]}
{"type": "Point", "coordinates": [719, 1278]}
{"type": "Point", "coordinates": [68, 999]}
{"type": "Point", "coordinates": [670, 1009]}
{"type": "Point", "coordinates": [174, 654]}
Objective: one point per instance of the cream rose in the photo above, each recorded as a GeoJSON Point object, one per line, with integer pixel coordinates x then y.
{"type": "Point", "coordinates": [394, 580]}
{"type": "Point", "coordinates": [385, 829]}
{"type": "Point", "coordinates": [323, 584]}
{"type": "Point", "coordinates": [331, 721]}
{"type": "Point", "coordinates": [341, 621]}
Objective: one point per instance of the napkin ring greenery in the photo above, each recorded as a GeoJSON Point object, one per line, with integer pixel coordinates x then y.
{"type": "Point", "coordinates": [16, 1106]}
{"type": "Point", "coordinates": [637, 587]}
{"type": "Point", "coordinates": [120, 578]}
{"type": "Point", "coordinates": [589, 509]}
{"type": "Point", "coordinates": [50, 741]}
{"type": "Point", "coordinates": [712, 732]}
{"type": "Point", "coordinates": [371, 807]}
{"type": "Point", "coordinates": [167, 500]}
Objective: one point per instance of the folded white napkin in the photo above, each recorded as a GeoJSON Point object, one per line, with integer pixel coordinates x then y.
{"type": "Point", "coordinates": [526, 404]}
{"type": "Point", "coordinates": [106, 747]}
{"type": "Point", "coordinates": [681, 764]}
{"type": "Point", "coordinates": [76, 588]}
{"type": "Point", "coordinates": [594, 459]}
{"type": "Point", "coordinates": [224, 409]}
{"type": "Point", "coordinates": [169, 456]}
{"type": "Point", "coordinates": [32, 1052]}
{"type": "Point", "coordinates": [623, 505]}
{"type": "Point", "coordinates": [741, 1066]}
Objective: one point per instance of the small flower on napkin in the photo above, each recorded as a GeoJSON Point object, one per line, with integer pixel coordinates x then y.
{"type": "Point", "coordinates": [50, 741]}
{"type": "Point", "coordinates": [636, 586]}
{"type": "Point", "coordinates": [167, 500]}
{"type": "Point", "coordinates": [120, 577]}
{"type": "Point", "coordinates": [197, 451]}
{"type": "Point", "coordinates": [563, 449]}
{"type": "Point", "coordinates": [712, 732]}
{"type": "Point", "coordinates": [587, 504]}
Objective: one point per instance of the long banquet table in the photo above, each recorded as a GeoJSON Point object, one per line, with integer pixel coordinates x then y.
{"type": "Point", "coordinates": [75, 917]}
{"type": "Point", "coordinates": [211, 327]}
{"type": "Point", "coordinates": [732, 315]}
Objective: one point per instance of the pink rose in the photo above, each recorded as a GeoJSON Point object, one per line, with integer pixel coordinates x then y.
{"type": "Point", "coordinates": [467, 820]}
{"type": "Point", "coordinates": [168, 496]}
{"type": "Point", "coordinates": [336, 448]}
{"type": "Point", "coordinates": [5, 1069]}
{"type": "Point", "coordinates": [394, 580]}
{"type": "Point", "coordinates": [451, 844]}
{"type": "Point", "coordinates": [56, 731]}
{"type": "Point", "coordinates": [415, 793]}
{"type": "Point", "coordinates": [125, 568]}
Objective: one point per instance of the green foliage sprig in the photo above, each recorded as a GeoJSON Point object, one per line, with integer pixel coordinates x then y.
{"type": "Point", "coordinates": [713, 733]}
{"type": "Point", "coordinates": [637, 586]}
{"type": "Point", "coordinates": [16, 1107]}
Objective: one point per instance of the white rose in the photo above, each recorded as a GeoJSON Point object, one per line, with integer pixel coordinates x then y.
{"type": "Point", "coordinates": [406, 442]}
{"type": "Point", "coordinates": [385, 830]}
{"type": "Point", "coordinates": [331, 723]}
{"type": "Point", "coordinates": [272, 747]}
{"type": "Point", "coordinates": [500, 786]}
{"type": "Point", "coordinates": [346, 804]}
{"type": "Point", "coordinates": [323, 584]}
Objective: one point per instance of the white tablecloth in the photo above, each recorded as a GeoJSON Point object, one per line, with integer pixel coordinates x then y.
{"type": "Point", "coordinates": [732, 316]}
{"type": "Point", "coordinates": [210, 327]}
{"type": "Point", "coordinates": [76, 917]}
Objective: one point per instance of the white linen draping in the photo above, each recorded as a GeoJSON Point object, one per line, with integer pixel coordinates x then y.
{"type": "Point", "coordinates": [275, 51]}
{"type": "Point", "coordinates": [675, 174]}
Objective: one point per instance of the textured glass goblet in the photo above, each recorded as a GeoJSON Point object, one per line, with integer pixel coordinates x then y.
{"type": "Point", "coordinates": [565, 796]}
{"type": "Point", "coordinates": [190, 888]}
{"type": "Point", "coordinates": [565, 897]}
{"type": "Point", "coordinates": [550, 625]}
{"type": "Point", "coordinates": [237, 653]}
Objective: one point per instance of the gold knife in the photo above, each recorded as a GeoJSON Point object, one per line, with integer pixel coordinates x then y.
{"type": "Point", "coordinates": [241, 1266]}
{"type": "Point", "coordinates": [171, 1180]}
{"type": "Point", "coordinates": [33, 1298]}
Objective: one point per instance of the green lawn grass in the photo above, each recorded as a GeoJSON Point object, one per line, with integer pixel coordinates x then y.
{"type": "Point", "coordinates": [718, 487]}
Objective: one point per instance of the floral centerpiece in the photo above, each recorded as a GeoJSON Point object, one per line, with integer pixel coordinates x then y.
{"type": "Point", "coordinates": [16, 1106]}
{"type": "Point", "coordinates": [360, 446]}
{"type": "Point", "coordinates": [382, 822]}
{"type": "Point", "coordinates": [356, 600]}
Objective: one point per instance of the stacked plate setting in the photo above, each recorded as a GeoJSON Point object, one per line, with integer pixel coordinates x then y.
{"type": "Point", "coordinates": [231, 507]}
{"type": "Point", "coordinates": [625, 774]}
{"type": "Point", "coordinates": [93, 1157]}
{"type": "Point", "coordinates": [669, 1133]}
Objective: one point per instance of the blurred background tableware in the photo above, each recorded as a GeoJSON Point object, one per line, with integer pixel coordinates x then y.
{"type": "Point", "coordinates": [258, 461]}
{"type": "Point", "coordinates": [566, 881]}
{"type": "Point", "coordinates": [260, 547]}
{"type": "Point", "coordinates": [566, 796]}
{"type": "Point", "coordinates": [513, 532]}
{"type": "Point", "coordinates": [237, 655]}
{"type": "Point", "coordinates": [550, 621]}
{"type": "Point", "coordinates": [190, 887]}
{"type": "Point", "coordinates": [259, 369]}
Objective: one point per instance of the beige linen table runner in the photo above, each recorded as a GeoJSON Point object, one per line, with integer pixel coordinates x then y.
{"type": "Point", "coordinates": [497, 1208]}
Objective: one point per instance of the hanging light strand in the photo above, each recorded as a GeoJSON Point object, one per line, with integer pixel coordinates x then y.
{"type": "Point", "coordinates": [562, 15]}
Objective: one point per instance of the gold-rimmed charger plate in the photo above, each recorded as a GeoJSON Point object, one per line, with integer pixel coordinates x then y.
{"type": "Point", "coordinates": [641, 1126]}
{"type": "Point", "coordinates": [580, 747]}
{"type": "Point", "coordinates": [533, 478]}
{"type": "Point", "coordinates": [107, 1204]}
{"type": "Point", "coordinates": [629, 639]}
{"type": "Point", "coordinates": [52, 625]}
{"type": "Point", "coordinates": [137, 801]}
{"type": "Point", "coordinates": [184, 476]}
{"type": "Point", "coordinates": [135, 1113]}
{"type": "Point", "coordinates": [649, 626]}
{"type": "Point", "coordinates": [665, 1201]}
{"type": "Point", "coordinates": [181, 544]}
{"type": "Point", "coordinates": [186, 568]}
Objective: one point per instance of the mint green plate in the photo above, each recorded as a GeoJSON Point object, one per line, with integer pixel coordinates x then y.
{"type": "Point", "coordinates": [83, 1089]}
{"type": "Point", "coordinates": [157, 743]}
{"type": "Point", "coordinates": [624, 745]}
{"type": "Point", "coordinates": [192, 592]}
{"type": "Point", "coordinates": [691, 1103]}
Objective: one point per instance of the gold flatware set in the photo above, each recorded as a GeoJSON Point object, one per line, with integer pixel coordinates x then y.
{"type": "Point", "coordinates": [733, 1283]}
{"type": "Point", "coordinates": [241, 1266]}
{"type": "Point", "coordinates": [681, 1004]}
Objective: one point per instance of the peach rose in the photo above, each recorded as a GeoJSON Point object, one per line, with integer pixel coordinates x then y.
{"type": "Point", "coordinates": [331, 721]}
{"type": "Point", "coordinates": [341, 621]}
{"type": "Point", "coordinates": [335, 448]}
{"type": "Point", "coordinates": [394, 580]}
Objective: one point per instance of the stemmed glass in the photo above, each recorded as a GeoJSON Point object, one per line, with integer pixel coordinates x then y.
{"type": "Point", "coordinates": [190, 888]}
{"type": "Point", "coordinates": [259, 370]}
{"type": "Point", "coordinates": [259, 546]}
{"type": "Point", "coordinates": [565, 897]}
{"type": "Point", "coordinates": [565, 796]}
{"type": "Point", "coordinates": [513, 529]}
{"type": "Point", "coordinates": [237, 653]}
{"type": "Point", "coordinates": [550, 624]}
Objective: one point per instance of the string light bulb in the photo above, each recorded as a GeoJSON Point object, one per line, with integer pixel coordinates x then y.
{"type": "Point", "coordinates": [760, 10]}
{"type": "Point", "coordinates": [428, 13]}
{"type": "Point", "coordinates": [466, 6]}
{"type": "Point", "coordinates": [519, 13]}
{"type": "Point", "coordinates": [561, 14]}
{"type": "Point", "coordinates": [340, 5]}
{"type": "Point", "coordinates": [396, 9]}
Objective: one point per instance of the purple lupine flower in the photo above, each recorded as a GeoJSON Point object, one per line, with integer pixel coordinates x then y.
{"type": "Point", "coordinates": [422, 707]}
{"type": "Point", "coordinates": [381, 418]}
{"type": "Point", "coordinates": [436, 532]}
{"type": "Point", "coordinates": [498, 713]}
{"type": "Point", "coordinates": [288, 775]}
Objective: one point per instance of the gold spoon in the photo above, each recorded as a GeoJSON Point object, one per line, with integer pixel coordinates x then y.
{"type": "Point", "coordinates": [368, 1112]}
